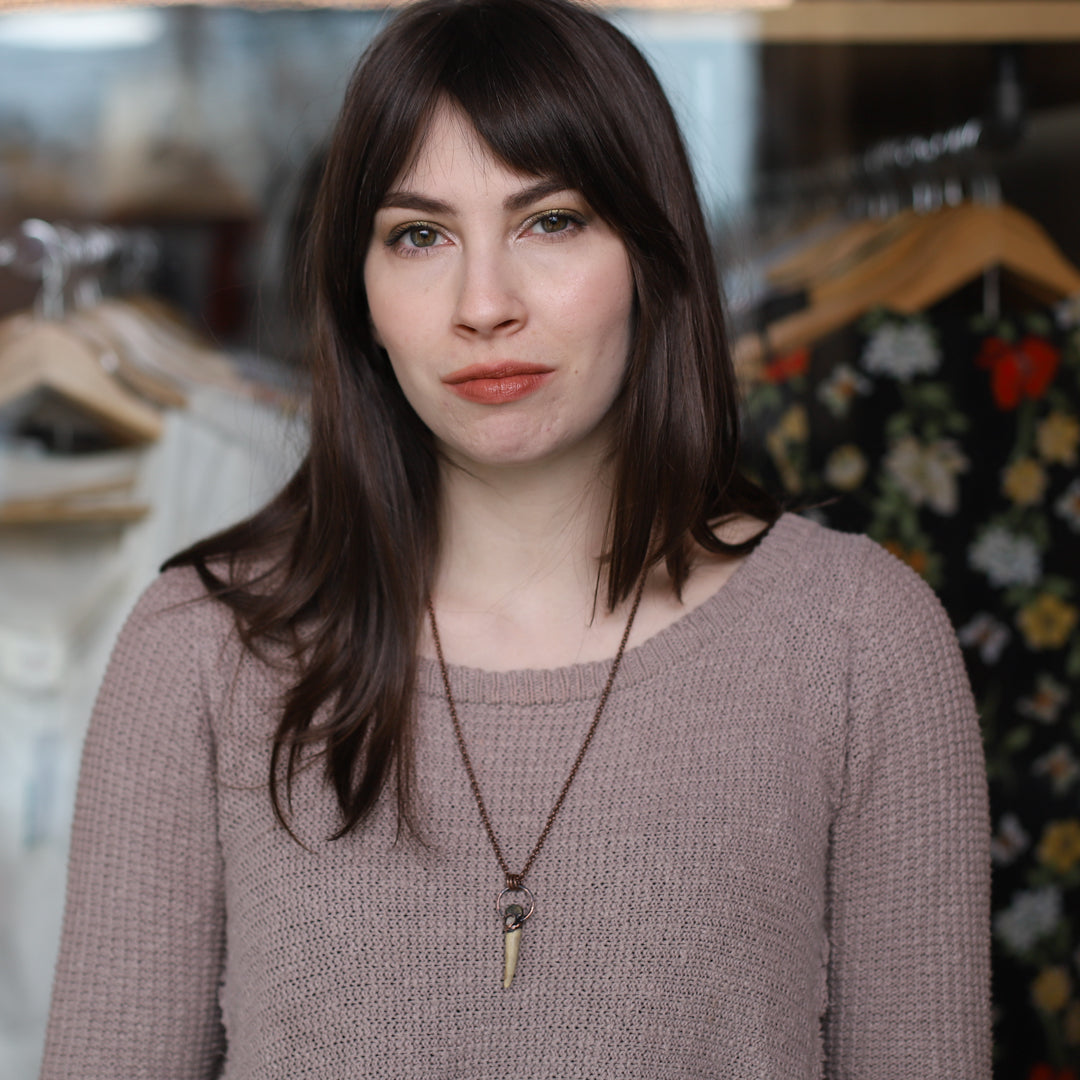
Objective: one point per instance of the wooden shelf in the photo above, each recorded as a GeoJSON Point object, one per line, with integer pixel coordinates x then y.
{"type": "Point", "coordinates": [925, 22]}
{"type": "Point", "coordinates": [920, 21]}
{"type": "Point", "coordinates": [879, 22]}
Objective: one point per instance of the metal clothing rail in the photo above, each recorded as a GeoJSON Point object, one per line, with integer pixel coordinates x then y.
{"type": "Point", "coordinates": [871, 180]}
{"type": "Point", "coordinates": [925, 172]}
{"type": "Point", "coordinates": [50, 253]}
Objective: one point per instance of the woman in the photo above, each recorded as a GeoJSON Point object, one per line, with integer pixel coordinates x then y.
{"type": "Point", "coordinates": [523, 734]}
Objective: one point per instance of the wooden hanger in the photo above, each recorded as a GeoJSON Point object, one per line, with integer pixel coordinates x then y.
{"type": "Point", "coordinates": [38, 354]}
{"type": "Point", "coordinates": [831, 255]}
{"type": "Point", "coordinates": [929, 260]}
{"type": "Point", "coordinates": [164, 346]}
{"type": "Point", "coordinates": [98, 503]}
{"type": "Point", "coordinates": [981, 237]}
{"type": "Point", "coordinates": [124, 361]}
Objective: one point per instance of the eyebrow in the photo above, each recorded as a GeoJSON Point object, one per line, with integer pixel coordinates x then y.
{"type": "Point", "coordinates": [520, 200]}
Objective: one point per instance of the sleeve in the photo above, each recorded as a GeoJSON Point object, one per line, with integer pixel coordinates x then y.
{"type": "Point", "coordinates": [136, 985]}
{"type": "Point", "coordinates": [909, 864]}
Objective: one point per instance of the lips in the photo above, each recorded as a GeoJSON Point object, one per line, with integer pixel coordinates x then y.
{"type": "Point", "coordinates": [497, 383]}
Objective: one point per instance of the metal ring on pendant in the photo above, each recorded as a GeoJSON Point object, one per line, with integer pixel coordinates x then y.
{"type": "Point", "coordinates": [519, 889]}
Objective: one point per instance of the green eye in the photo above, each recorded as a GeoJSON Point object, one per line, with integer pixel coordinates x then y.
{"type": "Point", "coordinates": [552, 223]}
{"type": "Point", "coordinates": [422, 236]}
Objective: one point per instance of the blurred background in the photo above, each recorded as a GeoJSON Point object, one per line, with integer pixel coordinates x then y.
{"type": "Point", "coordinates": [892, 187]}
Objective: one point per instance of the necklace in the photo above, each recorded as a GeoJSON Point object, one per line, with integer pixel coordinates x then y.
{"type": "Point", "coordinates": [515, 903]}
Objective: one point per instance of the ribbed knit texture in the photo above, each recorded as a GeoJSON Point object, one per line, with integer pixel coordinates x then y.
{"type": "Point", "coordinates": [773, 864]}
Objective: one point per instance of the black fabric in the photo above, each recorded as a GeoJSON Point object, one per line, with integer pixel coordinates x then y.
{"type": "Point", "coordinates": [952, 439]}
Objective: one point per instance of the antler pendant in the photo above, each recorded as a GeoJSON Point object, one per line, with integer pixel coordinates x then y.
{"type": "Point", "coordinates": [511, 947]}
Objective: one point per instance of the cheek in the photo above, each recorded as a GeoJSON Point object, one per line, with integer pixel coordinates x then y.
{"type": "Point", "coordinates": [378, 316]}
{"type": "Point", "coordinates": [403, 312]}
{"type": "Point", "coordinates": [600, 308]}
{"type": "Point", "coordinates": [388, 329]}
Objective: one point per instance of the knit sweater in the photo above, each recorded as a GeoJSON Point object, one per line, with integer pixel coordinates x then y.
{"type": "Point", "coordinates": [773, 863]}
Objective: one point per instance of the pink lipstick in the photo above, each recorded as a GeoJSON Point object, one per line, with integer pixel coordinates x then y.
{"type": "Point", "coordinates": [497, 383]}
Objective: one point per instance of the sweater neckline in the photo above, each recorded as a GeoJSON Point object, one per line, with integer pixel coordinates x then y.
{"type": "Point", "coordinates": [657, 654]}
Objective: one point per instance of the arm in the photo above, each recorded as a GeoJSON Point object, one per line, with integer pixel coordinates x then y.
{"type": "Point", "coordinates": [909, 904]}
{"type": "Point", "coordinates": [135, 994]}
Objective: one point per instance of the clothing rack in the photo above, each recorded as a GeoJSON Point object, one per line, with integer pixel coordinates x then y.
{"type": "Point", "coordinates": [923, 173]}
{"type": "Point", "coordinates": [872, 180]}
{"type": "Point", "coordinates": [930, 168]}
{"type": "Point", "coordinates": [53, 253]}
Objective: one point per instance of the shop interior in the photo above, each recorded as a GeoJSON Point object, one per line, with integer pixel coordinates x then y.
{"type": "Point", "coordinates": [892, 187]}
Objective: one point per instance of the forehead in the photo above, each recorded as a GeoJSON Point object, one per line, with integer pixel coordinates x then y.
{"type": "Point", "coordinates": [450, 154]}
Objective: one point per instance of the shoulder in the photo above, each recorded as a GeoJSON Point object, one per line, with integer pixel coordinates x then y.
{"type": "Point", "coordinates": [901, 650]}
{"type": "Point", "coordinates": [845, 601]}
{"type": "Point", "coordinates": [177, 598]}
{"type": "Point", "coordinates": [175, 623]}
{"type": "Point", "coordinates": [883, 596]}
{"type": "Point", "coordinates": [814, 568]}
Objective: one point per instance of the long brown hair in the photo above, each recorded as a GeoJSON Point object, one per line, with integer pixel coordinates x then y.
{"type": "Point", "coordinates": [339, 565]}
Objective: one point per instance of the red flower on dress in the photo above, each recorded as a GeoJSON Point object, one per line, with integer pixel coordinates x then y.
{"type": "Point", "coordinates": [1043, 1071]}
{"type": "Point", "coordinates": [782, 368]}
{"type": "Point", "coordinates": [1018, 369]}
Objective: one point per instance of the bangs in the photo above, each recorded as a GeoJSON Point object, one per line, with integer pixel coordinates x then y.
{"type": "Point", "coordinates": [538, 107]}
{"type": "Point", "coordinates": [546, 99]}
{"type": "Point", "coordinates": [554, 91]}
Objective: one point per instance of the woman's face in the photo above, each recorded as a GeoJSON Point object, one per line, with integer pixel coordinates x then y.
{"type": "Point", "coordinates": [503, 301]}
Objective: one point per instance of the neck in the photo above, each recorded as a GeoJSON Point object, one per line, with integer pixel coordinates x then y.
{"type": "Point", "coordinates": [516, 582]}
{"type": "Point", "coordinates": [523, 538]}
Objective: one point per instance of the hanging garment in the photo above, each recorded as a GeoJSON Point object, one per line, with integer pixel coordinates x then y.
{"type": "Point", "coordinates": [64, 593]}
{"type": "Point", "coordinates": [954, 440]}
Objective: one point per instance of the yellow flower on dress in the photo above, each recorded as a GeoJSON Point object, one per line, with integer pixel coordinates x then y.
{"type": "Point", "coordinates": [794, 425]}
{"type": "Point", "coordinates": [846, 467]}
{"type": "Point", "coordinates": [1024, 481]}
{"type": "Point", "coordinates": [1047, 621]}
{"type": "Point", "coordinates": [1057, 438]}
{"type": "Point", "coordinates": [1059, 847]}
{"type": "Point", "coordinates": [916, 558]}
{"type": "Point", "coordinates": [1050, 989]}
{"type": "Point", "coordinates": [1072, 1024]}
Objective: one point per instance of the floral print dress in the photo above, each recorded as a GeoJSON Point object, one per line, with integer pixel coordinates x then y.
{"type": "Point", "coordinates": [953, 439]}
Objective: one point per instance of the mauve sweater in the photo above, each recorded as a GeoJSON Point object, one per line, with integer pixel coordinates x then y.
{"type": "Point", "coordinates": [773, 863]}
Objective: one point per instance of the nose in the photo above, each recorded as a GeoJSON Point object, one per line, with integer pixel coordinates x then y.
{"type": "Point", "coordinates": [489, 297]}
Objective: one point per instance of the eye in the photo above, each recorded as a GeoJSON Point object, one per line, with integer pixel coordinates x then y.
{"type": "Point", "coordinates": [555, 221]}
{"type": "Point", "coordinates": [422, 236]}
{"type": "Point", "coordinates": [414, 236]}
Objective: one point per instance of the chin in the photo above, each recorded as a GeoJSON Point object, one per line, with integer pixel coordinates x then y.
{"type": "Point", "coordinates": [510, 456]}
{"type": "Point", "coordinates": [507, 442]}
{"type": "Point", "coordinates": [513, 451]}
{"type": "Point", "coordinates": [515, 442]}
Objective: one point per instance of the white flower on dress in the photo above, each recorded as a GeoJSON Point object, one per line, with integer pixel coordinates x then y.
{"type": "Point", "coordinates": [1060, 766]}
{"type": "Point", "coordinates": [927, 473]}
{"type": "Point", "coordinates": [902, 351]}
{"type": "Point", "coordinates": [846, 467]}
{"type": "Point", "coordinates": [841, 387]}
{"type": "Point", "coordinates": [1010, 842]}
{"type": "Point", "coordinates": [1046, 703]}
{"type": "Point", "coordinates": [989, 634]}
{"type": "Point", "coordinates": [1067, 313]}
{"type": "Point", "coordinates": [1005, 558]}
{"type": "Point", "coordinates": [1033, 914]}
{"type": "Point", "coordinates": [1068, 505]}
